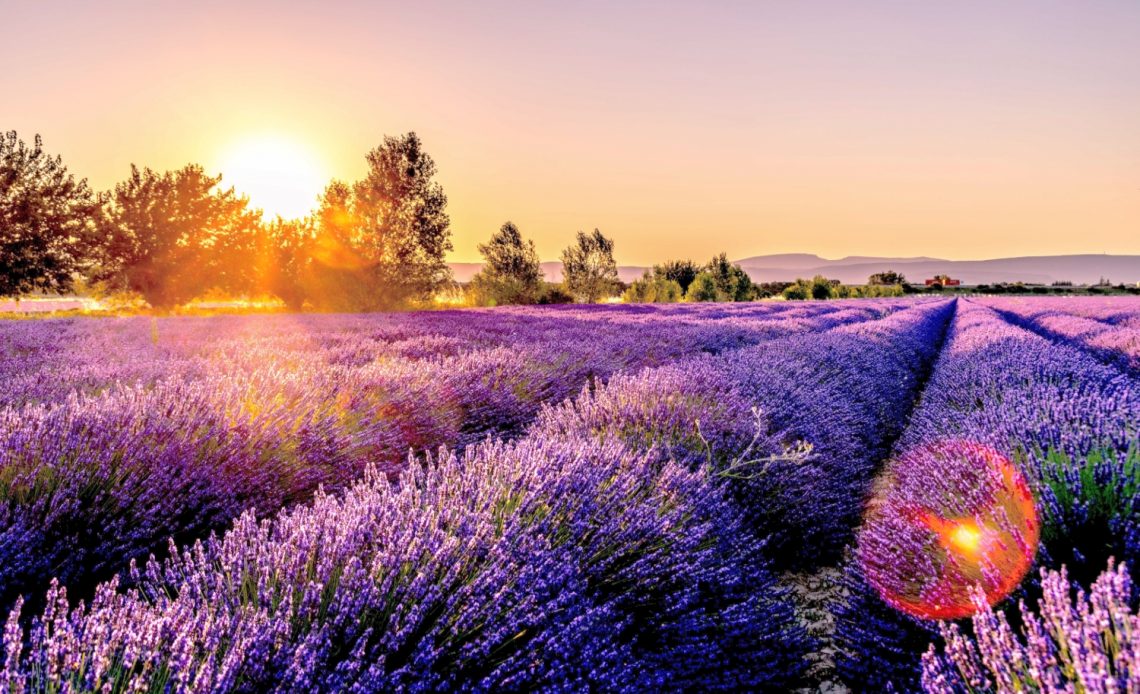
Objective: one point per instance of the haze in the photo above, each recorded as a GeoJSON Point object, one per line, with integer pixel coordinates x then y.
{"type": "Point", "coordinates": [959, 130]}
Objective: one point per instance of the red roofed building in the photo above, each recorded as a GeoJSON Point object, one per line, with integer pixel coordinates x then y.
{"type": "Point", "coordinates": [944, 280]}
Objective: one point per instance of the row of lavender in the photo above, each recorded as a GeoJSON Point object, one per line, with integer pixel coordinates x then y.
{"type": "Point", "coordinates": [1109, 327]}
{"type": "Point", "coordinates": [845, 393]}
{"type": "Point", "coordinates": [44, 361]}
{"type": "Point", "coordinates": [615, 547]}
{"type": "Point", "coordinates": [177, 438]}
{"type": "Point", "coordinates": [1069, 423]}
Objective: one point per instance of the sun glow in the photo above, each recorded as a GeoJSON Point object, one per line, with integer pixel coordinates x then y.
{"type": "Point", "coordinates": [280, 176]}
{"type": "Point", "coordinates": [965, 538]}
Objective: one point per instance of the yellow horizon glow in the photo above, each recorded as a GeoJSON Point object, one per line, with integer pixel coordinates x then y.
{"type": "Point", "coordinates": [281, 176]}
{"type": "Point", "coordinates": [958, 131]}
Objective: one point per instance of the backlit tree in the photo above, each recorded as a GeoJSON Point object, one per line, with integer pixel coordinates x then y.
{"type": "Point", "coordinates": [588, 267]}
{"type": "Point", "coordinates": [512, 273]}
{"type": "Point", "coordinates": [172, 236]}
{"type": "Point", "coordinates": [46, 218]}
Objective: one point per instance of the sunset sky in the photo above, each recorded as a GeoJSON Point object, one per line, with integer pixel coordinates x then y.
{"type": "Point", "coordinates": [952, 129]}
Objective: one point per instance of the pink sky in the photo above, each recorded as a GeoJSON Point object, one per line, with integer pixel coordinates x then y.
{"type": "Point", "coordinates": [954, 129]}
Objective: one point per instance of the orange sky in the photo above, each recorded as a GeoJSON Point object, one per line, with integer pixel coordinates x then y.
{"type": "Point", "coordinates": [960, 130]}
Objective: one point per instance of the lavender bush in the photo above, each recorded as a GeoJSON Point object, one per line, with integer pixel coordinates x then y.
{"type": "Point", "coordinates": [222, 415]}
{"type": "Point", "coordinates": [1067, 421]}
{"type": "Point", "coordinates": [544, 565]}
{"type": "Point", "coordinates": [617, 489]}
{"type": "Point", "coordinates": [1108, 329]}
{"type": "Point", "coordinates": [798, 424]}
{"type": "Point", "coordinates": [1086, 643]}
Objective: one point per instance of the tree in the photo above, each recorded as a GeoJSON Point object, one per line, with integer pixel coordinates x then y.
{"type": "Point", "coordinates": [886, 278]}
{"type": "Point", "coordinates": [174, 235]}
{"type": "Point", "coordinates": [732, 282]}
{"type": "Point", "coordinates": [380, 242]}
{"type": "Point", "coordinates": [46, 219]}
{"type": "Point", "coordinates": [798, 291]}
{"type": "Point", "coordinates": [403, 229]}
{"type": "Point", "coordinates": [285, 256]}
{"type": "Point", "coordinates": [653, 288]}
{"type": "Point", "coordinates": [683, 272]}
{"type": "Point", "coordinates": [512, 274]}
{"type": "Point", "coordinates": [588, 268]}
{"type": "Point", "coordinates": [821, 287]}
{"type": "Point", "coordinates": [703, 288]}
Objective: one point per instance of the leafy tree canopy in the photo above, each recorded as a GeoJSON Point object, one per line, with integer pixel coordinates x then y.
{"type": "Point", "coordinates": [46, 219]}
{"type": "Point", "coordinates": [683, 272]}
{"type": "Point", "coordinates": [380, 242]}
{"type": "Point", "coordinates": [512, 274]}
{"type": "Point", "coordinates": [588, 267]}
{"type": "Point", "coordinates": [171, 236]}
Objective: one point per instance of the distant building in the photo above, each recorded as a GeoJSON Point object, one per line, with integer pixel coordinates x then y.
{"type": "Point", "coordinates": [944, 280]}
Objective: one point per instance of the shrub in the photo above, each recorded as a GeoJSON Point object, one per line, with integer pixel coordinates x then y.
{"type": "Point", "coordinates": [703, 288]}
{"type": "Point", "coordinates": [796, 292]}
{"type": "Point", "coordinates": [652, 289]}
{"type": "Point", "coordinates": [554, 294]}
{"type": "Point", "coordinates": [546, 565]}
{"type": "Point", "coordinates": [821, 287]}
{"type": "Point", "coordinates": [1085, 644]}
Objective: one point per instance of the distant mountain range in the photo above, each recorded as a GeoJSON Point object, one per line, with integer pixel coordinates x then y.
{"type": "Point", "coordinates": [1045, 269]}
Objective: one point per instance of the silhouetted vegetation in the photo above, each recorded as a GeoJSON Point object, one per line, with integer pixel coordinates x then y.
{"type": "Point", "coordinates": [374, 244]}
{"type": "Point", "coordinates": [511, 274]}
{"type": "Point", "coordinates": [818, 287]}
{"type": "Point", "coordinates": [653, 288]}
{"type": "Point", "coordinates": [380, 242]}
{"type": "Point", "coordinates": [703, 288]}
{"type": "Point", "coordinates": [285, 258]}
{"type": "Point", "coordinates": [172, 236]}
{"type": "Point", "coordinates": [683, 272]}
{"type": "Point", "coordinates": [589, 271]}
{"type": "Point", "coordinates": [886, 278]}
{"type": "Point", "coordinates": [717, 280]}
{"type": "Point", "coordinates": [46, 218]}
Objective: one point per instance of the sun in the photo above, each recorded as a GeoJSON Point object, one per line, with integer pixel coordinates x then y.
{"type": "Point", "coordinates": [280, 175]}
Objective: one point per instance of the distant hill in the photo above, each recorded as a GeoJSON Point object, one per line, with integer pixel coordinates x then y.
{"type": "Point", "coordinates": [1079, 269]}
{"type": "Point", "coordinates": [1046, 269]}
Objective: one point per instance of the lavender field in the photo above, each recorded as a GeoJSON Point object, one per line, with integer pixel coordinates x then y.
{"type": "Point", "coordinates": [860, 495]}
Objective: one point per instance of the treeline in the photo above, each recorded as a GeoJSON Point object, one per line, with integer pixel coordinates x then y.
{"type": "Point", "coordinates": [820, 287]}
{"type": "Point", "coordinates": [512, 274]}
{"type": "Point", "coordinates": [374, 244]}
{"type": "Point", "coordinates": [172, 236]}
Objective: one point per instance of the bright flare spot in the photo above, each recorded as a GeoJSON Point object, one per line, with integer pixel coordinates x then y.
{"type": "Point", "coordinates": [280, 176]}
{"type": "Point", "coordinates": [964, 538]}
{"type": "Point", "coordinates": [945, 519]}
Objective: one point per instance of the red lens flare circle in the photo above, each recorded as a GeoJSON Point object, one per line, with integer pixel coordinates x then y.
{"type": "Point", "coordinates": [943, 519]}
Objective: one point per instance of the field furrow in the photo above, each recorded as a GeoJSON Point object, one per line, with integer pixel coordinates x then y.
{"type": "Point", "coordinates": [1111, 334]}
{"type": "Point", "coordinates": [1067, 421]}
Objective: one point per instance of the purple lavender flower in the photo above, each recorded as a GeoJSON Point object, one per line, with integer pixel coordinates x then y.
{"type": "Point", "coordinates": [1087, 642]}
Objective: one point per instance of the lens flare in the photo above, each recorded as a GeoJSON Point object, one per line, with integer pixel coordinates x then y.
{"type": "Point", "coordinates": [943, 519]}
{"type": "Point", "coordinates": [964, 537]}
